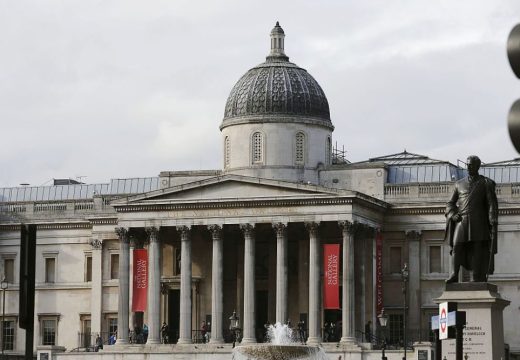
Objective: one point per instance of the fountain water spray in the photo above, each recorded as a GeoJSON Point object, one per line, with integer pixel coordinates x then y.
{"type": "Point", "coordinates": [281, 346]}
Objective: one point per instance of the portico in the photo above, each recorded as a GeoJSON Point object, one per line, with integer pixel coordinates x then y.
{"type": "Point", "coordinates": [259, 245]}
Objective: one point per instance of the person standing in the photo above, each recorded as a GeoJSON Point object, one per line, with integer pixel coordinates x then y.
{"type": "Point", "coordinates": [203, 331]}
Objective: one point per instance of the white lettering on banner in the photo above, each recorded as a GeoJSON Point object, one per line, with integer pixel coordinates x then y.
{"type": "Point", "coordinates": [332, 270]}
{"type": "Point", "coordinates": [141, 274]}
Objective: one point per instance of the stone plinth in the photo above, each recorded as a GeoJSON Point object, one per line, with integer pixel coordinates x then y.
{"type": "Point", "coordinates": [484, 332]}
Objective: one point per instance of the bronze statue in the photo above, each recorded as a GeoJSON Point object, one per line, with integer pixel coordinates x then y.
{"type": "Point", "coordinates": [471, 224]}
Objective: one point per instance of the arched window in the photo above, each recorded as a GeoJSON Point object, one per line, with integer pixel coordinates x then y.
{"type": "Point", "coordinates": [227, 152]}
{"type": "Point", "coordinates": [257, 148]}
{"type": "Point", "coordinates": [300, 149]}
{"type": "Point", "coordinates": [328, 154]}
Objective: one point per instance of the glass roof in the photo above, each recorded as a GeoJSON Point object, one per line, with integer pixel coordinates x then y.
{"type": "Point", "coordinates": [78, 191]}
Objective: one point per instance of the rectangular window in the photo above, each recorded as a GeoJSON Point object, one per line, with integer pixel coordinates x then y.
{"type": "Point", "coordinates": [50, 270]}
{"type": "Point", "coordinates": [8, 334]}
{"type": "Point", "coordinates": [395, 328]}
{"type": "Point", "coordinates": [88, 268]}
{"type": "Point", "coordinates": [9, 270]}
{"type": "Point", "coordinates": [86, 338]}
{"type": "Point", "coordinates": [435, 259]}
{"type": "Point", "coordinates": [395, 260]}
{"type": "Point", "coordinates": [114, 266]}
{"type": "Point", "coordinates": [48, 331]}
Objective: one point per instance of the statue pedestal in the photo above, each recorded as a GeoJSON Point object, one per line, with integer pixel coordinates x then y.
{"type": "Point", "coordinates": [484, 332]}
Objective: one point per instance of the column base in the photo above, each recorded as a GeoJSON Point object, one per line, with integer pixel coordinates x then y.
{"type": "Point", "coordinates": [348, 340]}
{"type": "Point", "coordinates": [152, 341]}
{"type": "Point", "coordinates": [184, 342]}
{"type": "Point", "coordinates": [313, 340]}
{"type": "Point", "coordinates": [246, 341]}
{"type": "Point", "coordinates": [121, 342]}
{"type": "Point", "coordinates": [216, 341]}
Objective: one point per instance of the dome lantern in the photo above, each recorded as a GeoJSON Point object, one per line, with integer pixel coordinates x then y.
{"type": "Point", "coordinates": [277, 44]}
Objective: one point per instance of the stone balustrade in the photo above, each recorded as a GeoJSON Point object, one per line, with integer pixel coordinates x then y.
{"type": "Point", "coordinates": [439, 191]}
{"type": "Point", "coordinates": [59, 208]}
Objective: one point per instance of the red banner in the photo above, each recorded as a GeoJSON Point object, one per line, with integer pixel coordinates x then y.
{"type": "Point", "coordinates": [331, 277]}
{"type": "Point", "coordinates": [379, 273]}
{"type": "Point", "coordinates": [140, 287]}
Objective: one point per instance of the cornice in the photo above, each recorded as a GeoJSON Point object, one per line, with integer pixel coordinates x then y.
{"type": "Point", "coordinates": [49, 226]}
{"type": "Point", "coordinates": [103, 221]}
{"type": "Point", "coordinates": [234, 204]}
{"type": "Point", "coordinates": [439, 210]}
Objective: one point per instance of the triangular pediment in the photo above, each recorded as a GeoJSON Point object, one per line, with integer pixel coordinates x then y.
{"type": "Point", "coordinates": [229, 187]}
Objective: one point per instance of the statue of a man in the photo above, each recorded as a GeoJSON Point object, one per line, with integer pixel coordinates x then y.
{"type": "Point", "coordinates": [471, 224]}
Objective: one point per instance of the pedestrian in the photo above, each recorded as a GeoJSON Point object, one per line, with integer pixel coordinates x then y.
{"type": "Point", "coordinates": [203, 331]}
{"type": "Point", "coordinates": [145, 333]}
{"type": "Point", "coordinates": [368, 331]}
{"type": "Point", "coordinates": [301, 331]}
{"type": "Point", "coordinates": [112, 339]}
{"type": "Point", "coordinates": [164, 333]}
{"type": "Point", "coordinates": [99, 343]}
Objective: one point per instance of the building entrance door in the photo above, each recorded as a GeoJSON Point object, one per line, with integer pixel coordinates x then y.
{"type": "Point", "coordinates": [174, 299]}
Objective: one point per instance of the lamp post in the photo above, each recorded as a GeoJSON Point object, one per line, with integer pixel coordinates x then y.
{"type": "Point", "coordinates": [404, 277]}
{"type": "Point", "coordinates": [234, 326]}
{"type": "Point", "coordinates": [4, 284]}
{"type": "Point", "coordinates": [383, 320]}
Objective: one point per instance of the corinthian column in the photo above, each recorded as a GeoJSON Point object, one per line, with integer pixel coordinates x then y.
{"type": "Point", "coordinates": [124, 288]}
{"type": "Point", "coordinates": [154, 286]}
{"type": "Point", "coordinates": [348, 294]}
{"type": "Point", "coordinates": [314, 284]}
{"type": "Point", "coordinates": [249, 284]}
{"type": "Point", "coordinates": [216, 285]}
{"type": "Point", "coordinates": [281, 272]}
{"type": "Point", "coordinates": [185, 301]}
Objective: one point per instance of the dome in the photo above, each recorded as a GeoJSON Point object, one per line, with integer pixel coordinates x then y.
{"type": "Point", "coordinates": [277, 90]}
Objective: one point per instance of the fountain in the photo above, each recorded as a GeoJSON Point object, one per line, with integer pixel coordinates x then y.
{"type": "Point", "coordinates": [281, 346]}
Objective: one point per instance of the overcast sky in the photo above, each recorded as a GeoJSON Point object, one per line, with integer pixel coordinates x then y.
{"type": "Point", "coordinates": [114, 89]}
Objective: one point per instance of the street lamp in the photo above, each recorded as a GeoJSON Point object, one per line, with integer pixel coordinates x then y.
{"type": "Point", "coordinates": [234, 326]}
{"type": "Point", "coordinates": [404, 277]}
{"type": "Point", "coordinates": [4, 284]}
{"type": "Point", "coordinates": [383, 320]}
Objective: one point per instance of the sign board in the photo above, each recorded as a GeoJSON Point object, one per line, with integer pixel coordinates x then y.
{"type": "Point", "coordinates": [447, 318]}
{"type": "Point", "coordinates": [422, 355]}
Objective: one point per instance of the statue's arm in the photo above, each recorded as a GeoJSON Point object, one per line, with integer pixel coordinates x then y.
{"type": "Point", "coordinates": [452, 211]}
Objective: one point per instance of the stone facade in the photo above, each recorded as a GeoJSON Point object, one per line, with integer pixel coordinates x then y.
{"type": "Point", "coordinates": [246, 238]}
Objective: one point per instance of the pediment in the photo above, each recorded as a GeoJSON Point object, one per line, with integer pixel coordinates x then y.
{"type": "Point", "coordinates": [228, 187]}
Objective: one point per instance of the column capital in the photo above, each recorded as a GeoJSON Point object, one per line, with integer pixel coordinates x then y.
{"type": "Point", "coordinates": [413, 235]}
{"type": "Point", "coordinates": [312, 226]}
{"type": "Point", "coordinates": [96, 244]}
{"type": "Point", "coordinates": [184, 231]}
{"type": "Point", "coordinates": [153, 233]}
{"type": "Point", "coordinates": [122, 233]}
{"type": "Point", "coordinates": [247, 229]}
{"type": "Point", "coordinates": [215, 230]}
{"type": "Point", "coordinates": [280, 228]}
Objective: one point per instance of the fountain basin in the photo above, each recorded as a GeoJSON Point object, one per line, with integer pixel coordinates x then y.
{"type": "Point", "coordinates": [278, 352]}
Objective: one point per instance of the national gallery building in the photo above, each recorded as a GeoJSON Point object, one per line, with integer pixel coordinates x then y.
{"type": "Point", "coordinates": [187, 247]}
